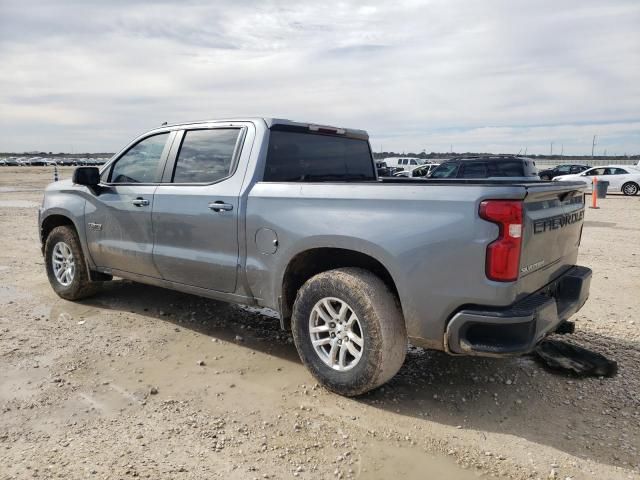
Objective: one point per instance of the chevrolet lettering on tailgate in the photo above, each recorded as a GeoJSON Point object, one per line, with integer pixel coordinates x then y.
{"type": "Point", "coordinates": [555, 223]}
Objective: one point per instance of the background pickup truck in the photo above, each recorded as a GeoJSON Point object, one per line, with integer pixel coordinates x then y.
{"type": "Point", "coordinates": [292, 216]}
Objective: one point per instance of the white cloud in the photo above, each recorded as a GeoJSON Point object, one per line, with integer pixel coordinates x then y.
{"type": "Point", "coordinates": [489, 76]}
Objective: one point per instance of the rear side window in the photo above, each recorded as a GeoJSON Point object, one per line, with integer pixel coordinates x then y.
{"type": "Point", "coordinates": [508, 168]}
{"type": "Point", "coordinates": [206, 156]}
{"type": "Point", "coordinates": [474, 170]}
{"type": "Point", "coordinates": [140, 163]}
{"type": "Point", "coordinates": [300, 157]}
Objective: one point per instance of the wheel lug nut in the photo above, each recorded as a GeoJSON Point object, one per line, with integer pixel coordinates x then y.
{"type": "Point", "coordinates": [332, 325]}
{"type": "Point", "coordinates": [333, 335]}
{"type": "Point", "coordinates": [339, 342]}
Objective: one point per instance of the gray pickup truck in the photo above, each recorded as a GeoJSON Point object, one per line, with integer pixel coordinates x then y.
{"type": "Point", "coordinates": [291, 216]}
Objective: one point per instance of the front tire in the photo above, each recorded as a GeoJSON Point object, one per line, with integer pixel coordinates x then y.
{"type": "Point", "coordinates": [66, 267]}
{"type": "Point", "coordinates": [630, 189]}
{"type": "Point", "coordinates": [349, 330]}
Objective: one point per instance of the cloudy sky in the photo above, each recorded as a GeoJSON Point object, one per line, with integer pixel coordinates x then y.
{"type": "Point", "coordinates": [496, 76]}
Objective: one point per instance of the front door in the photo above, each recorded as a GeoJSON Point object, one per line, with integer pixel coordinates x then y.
{"type": "Point", "coordinates": [118, 216]}
{"type": "Point", "coordinates": [195, 212]}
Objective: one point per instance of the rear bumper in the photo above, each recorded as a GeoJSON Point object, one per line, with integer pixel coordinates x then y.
{"type": "Point", "coordinates": [517, 329]}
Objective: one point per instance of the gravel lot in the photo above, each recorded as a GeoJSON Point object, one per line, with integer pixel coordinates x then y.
{"type": "Point", "coordinates": [143, 382]}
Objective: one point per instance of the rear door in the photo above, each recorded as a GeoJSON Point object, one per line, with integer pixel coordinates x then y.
{"type": "Point", "coordinates": [118, 216]}
{"type": "Point", "coordinates": [195, 211]}
{"type": "Point", "coordinates": [617, 177]}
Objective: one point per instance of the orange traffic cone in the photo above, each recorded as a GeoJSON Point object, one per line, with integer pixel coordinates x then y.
{"type": "Point", "coordinates": [594, 194]}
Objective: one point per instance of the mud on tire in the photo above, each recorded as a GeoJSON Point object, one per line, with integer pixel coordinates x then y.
{"type": "Point", "coordinates": [381, 327]}
{"type": "Point", "coordinates": [80, 285]}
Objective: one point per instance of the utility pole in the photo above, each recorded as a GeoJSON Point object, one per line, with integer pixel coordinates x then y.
{"type": "Point", "coordinates": [551, 151]}
{"type": "Point", "coordinates": [525, 151]}
{"type": "Point", "coordinates": [562, 150]}
{"type": "Point", "coordinates": [593, 145]}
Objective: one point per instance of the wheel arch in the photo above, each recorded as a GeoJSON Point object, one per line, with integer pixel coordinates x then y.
{"type": "Point", "coordinates": [52, 221]}
{"type": "Point", "coordinates": [310, 262]}
{"type": "Point", "coordinates": [58, 218]}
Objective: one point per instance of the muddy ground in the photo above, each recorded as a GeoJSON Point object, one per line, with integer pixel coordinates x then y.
{"type": "Point", "coordinates": [144, 382]}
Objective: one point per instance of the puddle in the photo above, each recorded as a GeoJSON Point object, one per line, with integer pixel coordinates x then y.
{"type": "Point", "coordinates": [18, 204]}
{"type": "Point", "coordinates": [21, 383]}
{"type": "Point", "coordinates": [11, 294]}
{"type": "Point", "coordinates": [197, 366]}
{"type": "Point", "coordinates": [14, 189]}
{"type": "Point", "coordinates": [382, 461]}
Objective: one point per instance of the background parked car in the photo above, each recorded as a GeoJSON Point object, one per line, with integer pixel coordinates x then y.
{"type": "Point", "coordinates": [404, 163]}
{"type": "Point", "coordinates": [383, 169]}
{"type": "Point", "coordinates": [621, 178]}
{"type": "Point", "coordinates": [418, 172]}
{"type": "Point", "coordinates": [550, 173]}
{"type": "Point", "coordinates": [489, 167]}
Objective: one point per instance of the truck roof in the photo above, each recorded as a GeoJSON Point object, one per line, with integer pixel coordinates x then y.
{"type": "Point", "coordinates": [282, 122]}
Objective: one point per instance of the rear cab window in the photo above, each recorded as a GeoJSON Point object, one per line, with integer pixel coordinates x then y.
{"type": "Point", "coordinates": [303, 156]}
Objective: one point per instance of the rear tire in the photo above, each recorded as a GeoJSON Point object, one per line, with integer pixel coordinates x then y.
{"type": "Point", "coordinates": [376, 343]}
{"type": "Point", "coordinates": [630, 189]}
{"type": "Point", "coordinates": [66, 267]}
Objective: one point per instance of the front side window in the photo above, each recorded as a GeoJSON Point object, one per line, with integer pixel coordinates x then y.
{"type": "Point", "coordinates": [206, 156]}
{"type": "Point", "coordinates": [413, 162]}
{"type": "Point", "coordinates": [595, 171]}
{"type": "Point", "coordinates": [140, 163]}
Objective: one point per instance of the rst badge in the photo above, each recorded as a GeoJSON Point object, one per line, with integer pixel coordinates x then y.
{"type": "Point", "coordinates": [94, 226]}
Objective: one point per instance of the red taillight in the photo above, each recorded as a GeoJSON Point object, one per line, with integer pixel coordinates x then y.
{"type": "Point", "coordinates": [503, 254]}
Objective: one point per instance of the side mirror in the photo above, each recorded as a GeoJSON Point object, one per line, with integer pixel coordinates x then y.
{"type": "Point", "coordinates": [89, 176]}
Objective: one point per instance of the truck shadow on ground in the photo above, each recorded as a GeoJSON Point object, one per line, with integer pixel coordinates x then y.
{"type": "Point", "coordinates": [591, 418]}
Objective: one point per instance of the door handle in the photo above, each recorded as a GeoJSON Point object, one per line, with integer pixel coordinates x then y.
{"type": "Point", "coordinates": [220, 206]}
{"type": "Point", "coordinates": [140, 202]}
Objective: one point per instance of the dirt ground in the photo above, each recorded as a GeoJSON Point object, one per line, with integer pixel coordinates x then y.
{"type": "Point", "coordinates": [144, 382]}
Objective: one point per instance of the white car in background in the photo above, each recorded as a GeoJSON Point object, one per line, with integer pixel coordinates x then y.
{"type": "Point", "coordinates": [621, 178]}
{"type": "Point", "coordinates": [421, 171]}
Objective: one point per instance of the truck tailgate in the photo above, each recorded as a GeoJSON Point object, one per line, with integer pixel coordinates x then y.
{"type": "Point", "coordinates": [552, 230]}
